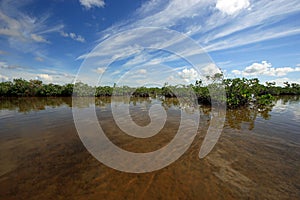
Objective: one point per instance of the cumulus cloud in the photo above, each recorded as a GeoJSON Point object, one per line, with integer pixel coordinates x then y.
{"type": "Point", "coordinates": [210, 70]}
{"type": "Point", "coordinates": [73, 36]}
{"type": "Point", "coordinates": [142, 71]}
{"type": "Point", "coordinates": [280, 81]}
{"type": "Point", "coordinates": [92, 3]}
{"type": "Point", "coordinates": [232, 7]}
{"type": "Point", "coordinates": [10, 72]}
{"type": "Point", "coordinates": [45, 77]}
{"type": "Point", "coordinates": [188, 74]}
{"type": "Point", "coordinates": [3, 78]}
{"type": "Point", "coordinates": [100, 70]}
{"type": "Point", "coordinates": [265, 68]}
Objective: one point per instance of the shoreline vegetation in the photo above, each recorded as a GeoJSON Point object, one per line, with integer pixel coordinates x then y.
{"type": "Point", "coordinates": [239, 91]}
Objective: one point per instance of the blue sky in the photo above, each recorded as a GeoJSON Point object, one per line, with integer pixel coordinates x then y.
{"type": "Point", "coordinates": [50, 40]}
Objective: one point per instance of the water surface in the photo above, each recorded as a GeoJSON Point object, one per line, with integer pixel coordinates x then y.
{"type": "Point", "coordinates": [42, 157]}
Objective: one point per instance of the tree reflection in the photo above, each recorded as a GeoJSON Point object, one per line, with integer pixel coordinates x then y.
{"type": "Point", "coordinates": [169, 102]}
{"type": "Point", "coordinates": [287, 99]}
{"type": "Point", "coordinates": [246, 116]}
{"type": "Point", "coordinates": [28, 104]}
{"type": "Point", "coordinates": [235, 118]}
{"type": "Point", "coordinates": [243, 117]}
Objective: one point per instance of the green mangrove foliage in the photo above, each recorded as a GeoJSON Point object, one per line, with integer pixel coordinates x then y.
{"type": "Point", "coordinates": [239, 91]}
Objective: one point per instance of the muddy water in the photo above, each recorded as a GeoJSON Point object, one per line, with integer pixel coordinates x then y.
{"type": "Point", "coordinates": [42, 157]}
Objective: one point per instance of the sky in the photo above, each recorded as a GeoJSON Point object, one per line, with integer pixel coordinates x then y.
{"type": "Point", "coordinates": [148, 42]}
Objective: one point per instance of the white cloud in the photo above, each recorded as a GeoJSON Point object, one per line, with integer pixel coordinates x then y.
{"type": "Point", "coordinates": [116, 49]}
{"type": "Point", "coordinates": [45, 77]}
{"type": "Point", "coordinates": [231, 7]}
{"type": "Point", "coordinates": [116, 72]}
{"type": "Point", "coordinates": [210, 70]}
{"type": "Point", "coordinates": [280, 81]}
{"type": "Point", "coordinates": [155, 75]}
{"type": "Point", "coordinates": [251, 37]}
{"type": "Point", "coordinates": [3, 64]}
{"type": "Point", "coordinates": [3, 78]}
{"type": "Point", "coordinates": [37, 38]}
{"type": "Point", "coordinates": [262, 12]}
{"type": "Point", "coordinates": [209, 27]}
{"type": "Point", "coordinates": [80, 38]}
{"type": "Point", "coordinates": [161, 13]}
{"type": "Point", "coordinates": [92, 3]}
{"type": "Point", "coordinates": [190, 30]}
{"type": "Point", "coordinates": [236, 72]}
{"type": "Point", "coordinates": [243, 24]}
{"type": "Point", "coordinates": [259, 24]}
{"type": "Point", "coordinates": [22, 27]}
{"type": "Point", "coordinates": [171, 78]}
{"type": "Point", "coordinates": [142, 71]}
{"type": "Point", "coordinates": [174, 11]}
{"type": "Point", "coordinates": [100, 70]}
{"type": "Point", "coordinates": [137, 60]}
{"type": "Point", "coordinates": [73, 36]}
{"type": "Point", "coordinates": [265, 69]}
{"type": "Point", "coordinates": [188, 74]}
{"type": "Point", "coordinates": [64, 34]}
{"type": "Point", "coordinates": [40, 59]}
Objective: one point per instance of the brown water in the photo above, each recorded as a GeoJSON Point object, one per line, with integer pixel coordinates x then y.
{"type": "Point", "coordinates": [42, 157]}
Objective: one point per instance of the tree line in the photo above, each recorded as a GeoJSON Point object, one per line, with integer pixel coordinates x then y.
{"type": "Point", "coordinates": [239, 91]}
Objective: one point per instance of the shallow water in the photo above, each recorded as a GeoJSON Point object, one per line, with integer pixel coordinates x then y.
{"type": "Point", "coordinates": [42, 157]}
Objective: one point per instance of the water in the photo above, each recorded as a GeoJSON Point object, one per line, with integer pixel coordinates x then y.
{"type": "Point", "coordinates": [42, 157]}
